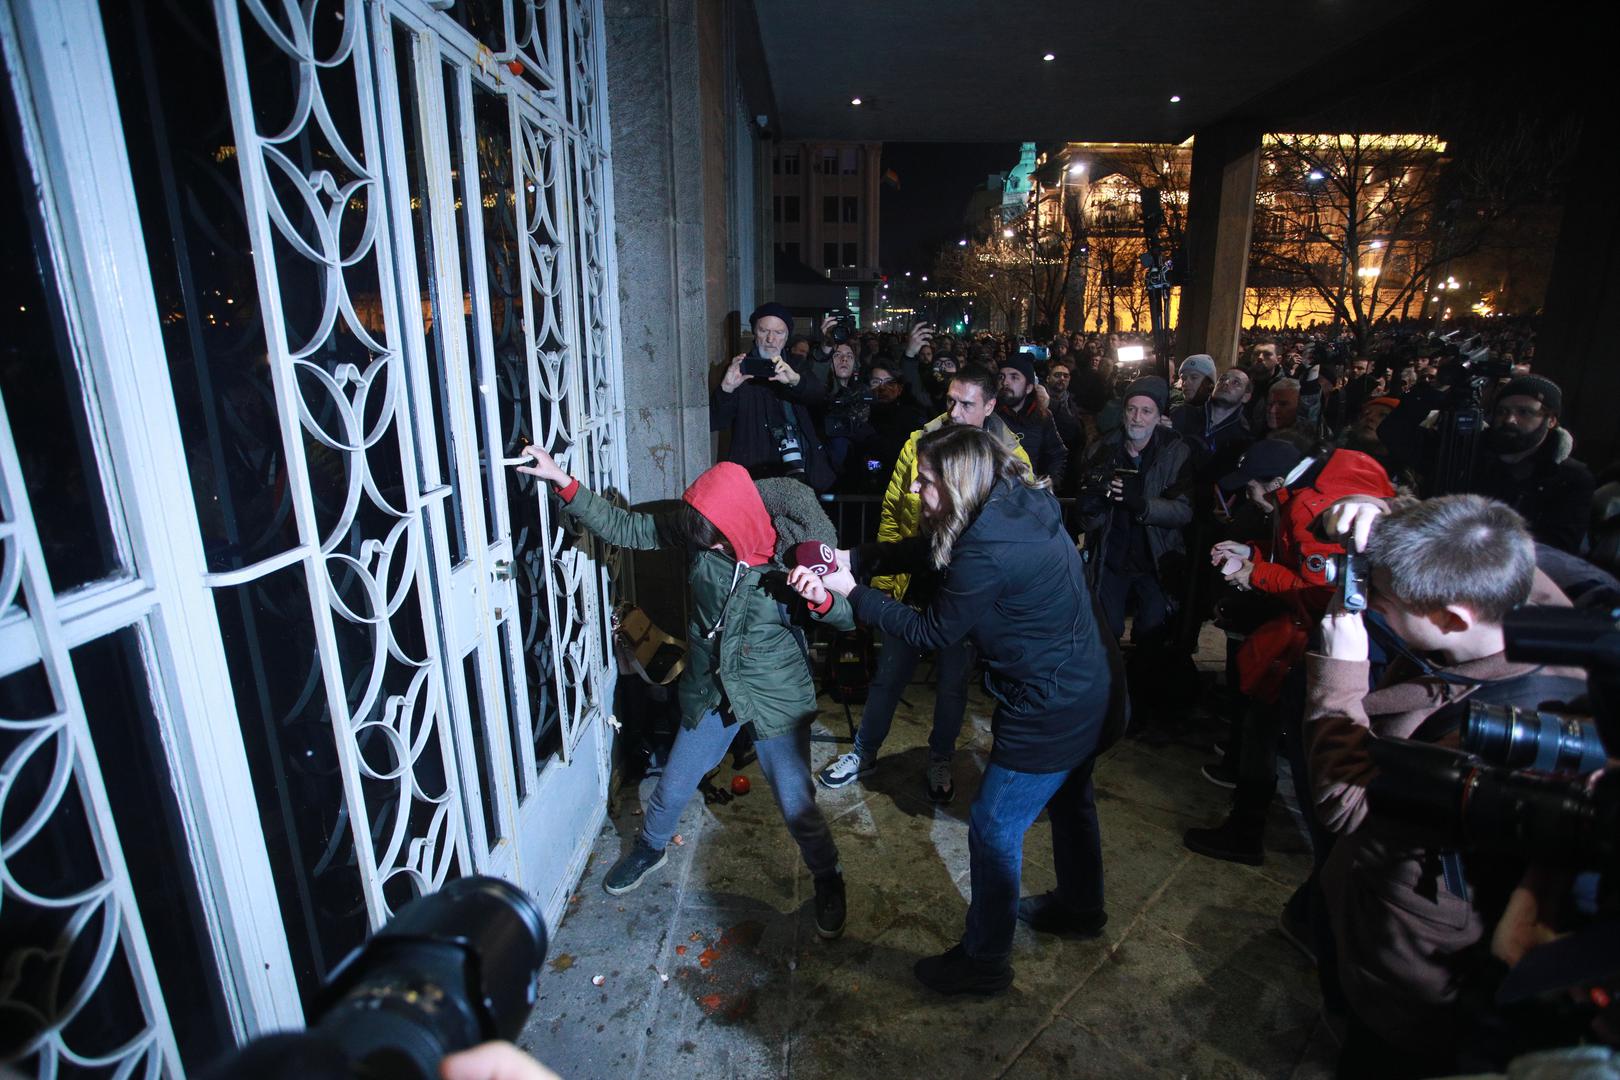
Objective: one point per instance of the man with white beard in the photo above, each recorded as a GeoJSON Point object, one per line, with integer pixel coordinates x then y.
{"type": "Point", "coordinates": [1135, 503]}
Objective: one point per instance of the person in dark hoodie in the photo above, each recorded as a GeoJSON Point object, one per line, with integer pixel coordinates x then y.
{"type": "Point", "coordinates": [1013, 586]}
{"type": "Point", "coordinates": [744, 661]}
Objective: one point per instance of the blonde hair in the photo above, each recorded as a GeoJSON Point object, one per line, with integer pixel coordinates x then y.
{"type": "Point", "coordinates": [967, 463]}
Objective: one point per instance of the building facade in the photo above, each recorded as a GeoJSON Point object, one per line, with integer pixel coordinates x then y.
{"type": "Point", "coordinates": [824, 213]}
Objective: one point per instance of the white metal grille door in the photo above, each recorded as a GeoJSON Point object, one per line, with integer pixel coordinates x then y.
{"type": "Point", "coordinates": [367, 258]}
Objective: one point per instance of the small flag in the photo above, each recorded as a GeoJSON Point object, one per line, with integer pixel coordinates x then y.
{"type": "Point", "coordinates": [891, 178]}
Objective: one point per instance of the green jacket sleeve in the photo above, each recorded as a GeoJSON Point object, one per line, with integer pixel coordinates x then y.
{"type": "Point", "coordinates": [621, 528]}
{"type": "Point", "coordinates": [841, 616]}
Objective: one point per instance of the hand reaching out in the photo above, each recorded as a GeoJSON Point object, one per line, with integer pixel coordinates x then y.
{"type": "Point", "coordinates": [807, 583]}
{"type": "Point", "coordinates": [545, 466]}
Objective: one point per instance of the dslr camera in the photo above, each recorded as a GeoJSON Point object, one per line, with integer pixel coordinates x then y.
{"type": "Point", "coordinates": [843, 328]}
{"type": "Point", "coordinates": [451, 970]}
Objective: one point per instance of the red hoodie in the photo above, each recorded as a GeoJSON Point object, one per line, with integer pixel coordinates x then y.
{"type": "Point", "coordinates": [726, 495]}
{"type": "Point", "coordinates": [1348, 472]}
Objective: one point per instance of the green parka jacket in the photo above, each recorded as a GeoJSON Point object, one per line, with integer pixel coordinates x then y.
{"type": "Point", "coordinates": [740, 646]}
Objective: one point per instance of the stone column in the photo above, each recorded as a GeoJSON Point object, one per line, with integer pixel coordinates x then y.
{"type": "Point", "coordinates": [1220, 215]}
{"type": "Point", "coordinates": [668, 238]}
{"type": "Point", "coordinates": [1576, 345]}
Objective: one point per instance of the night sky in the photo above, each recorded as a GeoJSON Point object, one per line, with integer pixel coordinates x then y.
{"type": "Point", "coordinates": [936, 180]}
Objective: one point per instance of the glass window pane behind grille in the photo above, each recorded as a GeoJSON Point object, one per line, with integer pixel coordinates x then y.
{"type": "Point", "coordinates": [59, 862]}
{"type": "Point", "coordinates": [480, 741]}
{"type": "Point", "coordinates": [111, 674]}
{"type": "Point", "coordinates": [39, 383]}
{"type": "Point", "coordinates": [182, 157]}
{"type": "Point", "coordinates": [438, 312]}
{"type": "Point", "coordinates": [504, 304]}
{"type": "Point", "coordinates": [287, 733]}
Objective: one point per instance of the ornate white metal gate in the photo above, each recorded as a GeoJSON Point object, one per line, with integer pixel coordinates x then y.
{"type": "Point", "coordinates": [296, 304]}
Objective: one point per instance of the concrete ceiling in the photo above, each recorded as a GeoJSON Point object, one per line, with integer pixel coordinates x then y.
{"type": "Point", "coordinates": [956, 71]}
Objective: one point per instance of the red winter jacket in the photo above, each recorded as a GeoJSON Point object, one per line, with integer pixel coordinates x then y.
{"type": "Point", "coordinates": [1347, 472]}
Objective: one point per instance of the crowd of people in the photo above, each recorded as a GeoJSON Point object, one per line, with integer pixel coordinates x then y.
{"type": "Point", "coordinates": [1043, 506]}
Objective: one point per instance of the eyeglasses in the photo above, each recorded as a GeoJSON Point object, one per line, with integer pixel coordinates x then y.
{"type": "Point", "coordinates": [881, 380]}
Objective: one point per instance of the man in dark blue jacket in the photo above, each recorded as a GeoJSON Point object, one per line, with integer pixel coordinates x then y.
{"type": "Point", "coordinates": [1015, 587]}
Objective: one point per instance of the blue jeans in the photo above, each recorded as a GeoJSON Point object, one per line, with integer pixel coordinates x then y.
{"type": "Point", "coordinates": [785, 760]}
{"type": "Point", "coordinates": [1007, 805]}
{"type": "Point", "coordinates": [895, 665]}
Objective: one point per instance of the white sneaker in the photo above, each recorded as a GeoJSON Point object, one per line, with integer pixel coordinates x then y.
{"type": "Point", "coordinates": [844, 769]}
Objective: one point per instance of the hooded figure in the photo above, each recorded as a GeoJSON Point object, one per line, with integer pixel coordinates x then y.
{"type": "Point", "coordinates": [745, 662]}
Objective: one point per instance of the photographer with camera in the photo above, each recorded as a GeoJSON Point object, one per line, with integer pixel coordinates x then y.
{"type": "Point", "coordinates": [1411, 922]}
{"type": "Point", "coordinates": [842, 417]}
{"type": "Point", "coordinates": [764, 399]}
{"type": "Point", "coordinates": [891, 417]}
{"type": "Point", "coordinates": [1522, 458]}
{"type": "Point", "coordinates": [1134, 506]}
{"type": "Point", "coordinates": [1293, 484]}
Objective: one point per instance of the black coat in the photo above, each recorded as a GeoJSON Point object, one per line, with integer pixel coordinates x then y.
{"type": "Point", "coordinates": [1016, 589]}
{"type": "Point", "coordinates": [1551, 489]}
{"type": "Point", "coordinates": [750, 411]}
{"type": "Point", "coordinates": [1036, 431]}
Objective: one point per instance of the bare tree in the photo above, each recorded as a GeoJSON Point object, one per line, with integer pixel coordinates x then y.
{"type": "Point", "coordinates": [1370, 223]}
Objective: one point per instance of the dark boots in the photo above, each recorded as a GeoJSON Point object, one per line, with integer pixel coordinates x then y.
{"type": "Point", "coordinates": [1241, 837]}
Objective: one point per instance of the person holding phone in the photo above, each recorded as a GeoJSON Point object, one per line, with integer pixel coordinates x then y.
{"type": "Point", "coordinates": [764, 401]}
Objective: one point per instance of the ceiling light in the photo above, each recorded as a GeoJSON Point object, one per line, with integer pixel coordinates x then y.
{"type": "Point", "coordinates": [1049, 57]}
{"type": "Point", "coordinates": [1174, 98]}
{"type": "Point", "coordinates": [854, 101]}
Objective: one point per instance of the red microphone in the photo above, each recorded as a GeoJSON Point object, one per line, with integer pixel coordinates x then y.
{"type": "Point", "coordinates": [819, 558]}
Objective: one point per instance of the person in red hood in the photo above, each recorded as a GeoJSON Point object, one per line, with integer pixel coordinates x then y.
{"type": "Point", "coordinates": [1294, 485]}
{"type": "Point", "coordinates": [744, 660]}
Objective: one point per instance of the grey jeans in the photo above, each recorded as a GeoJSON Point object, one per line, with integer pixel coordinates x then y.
{"type": "Point", "coordinates": [785, 760]}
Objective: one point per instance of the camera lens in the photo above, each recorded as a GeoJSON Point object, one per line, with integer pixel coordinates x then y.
{"type": "Point", "coordinates": [1524, 739]}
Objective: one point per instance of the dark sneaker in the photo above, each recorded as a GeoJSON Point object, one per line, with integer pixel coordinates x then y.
{"type": "Point", "coordinates": [1046, 914]}
{"type": "Point", "coordinates": [831, 910]}
{"type": "Point", "coordinates": [629, 871]}
{"type": "Point", "coordinates": [955, 972]}
{"type": "Point", "coordinates": [1220, 774]}
{"type": "Point", "coordinates": [1234, 840]}
{"type": "Point", "coordinates": [844, 769]}
{"type": "Point", "coordinates": [940, 788]}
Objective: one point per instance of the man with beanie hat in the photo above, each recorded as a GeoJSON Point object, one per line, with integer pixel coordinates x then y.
{"type": "Point", "coordinates": [1526, 463]}
{"type": "Point", "coordinates": [1029, 420]}
{"type": "Point", "coordinates": [1197, 379]}
{"type": "Point", "coordinates": [763, 401]}
{"type": "Point", "coordinates": [1135, 487]}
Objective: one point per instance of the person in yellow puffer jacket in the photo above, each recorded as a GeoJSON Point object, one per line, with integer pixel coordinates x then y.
{"type": "Point", "coordinates": [970, 399]}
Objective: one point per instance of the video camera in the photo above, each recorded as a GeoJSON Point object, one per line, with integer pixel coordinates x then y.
{"type": "Point", "coordinates": [451, 970]}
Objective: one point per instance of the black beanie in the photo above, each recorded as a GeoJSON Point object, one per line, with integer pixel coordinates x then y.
{"type": "Point", "coordinates": [1150, 386]}
{"type": "Point", "coordinates": [1542, 389]}
{"type": "Point", "coordinates": [772, 308]}
{"type": "Point", "coordinates": [1020, 363]}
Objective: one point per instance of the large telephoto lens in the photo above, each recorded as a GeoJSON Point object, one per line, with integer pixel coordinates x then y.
{"type": "Point", "coordinates": [1526, 739]}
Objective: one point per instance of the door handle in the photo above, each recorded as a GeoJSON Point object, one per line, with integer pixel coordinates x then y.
{"type": "Point", "coordinates": [503, 570]}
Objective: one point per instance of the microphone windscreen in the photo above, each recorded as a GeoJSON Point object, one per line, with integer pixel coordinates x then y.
{"type": "Point", "coordinates": [820, 558]}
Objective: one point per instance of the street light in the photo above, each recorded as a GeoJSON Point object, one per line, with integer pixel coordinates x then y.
{"type": "Point", "coordinates": [1077, 168]}
{"type": "Point", "coordinates": [1007, 233]}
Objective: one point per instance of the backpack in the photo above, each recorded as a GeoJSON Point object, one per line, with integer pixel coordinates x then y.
{"type": "Point", "coordinates": [849, 667]}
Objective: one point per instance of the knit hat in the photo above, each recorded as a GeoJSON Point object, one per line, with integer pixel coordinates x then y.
{"type": "Point", "coordinates": [1020, 363]}
{"type": "Point", "coordinates": [1542, 389]}
{"type": "Point", "coordinates": [772, 308]}
{"type": "Point", "coordinates": [1202, 363]}
{"type": "Point", "coordinates": [1149, 386]}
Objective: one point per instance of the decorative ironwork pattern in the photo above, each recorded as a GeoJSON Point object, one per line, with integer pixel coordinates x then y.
{"type": "Point", "coordinates": [77, 990]}
{"type": "Point", "coordinates": [317, 213]}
